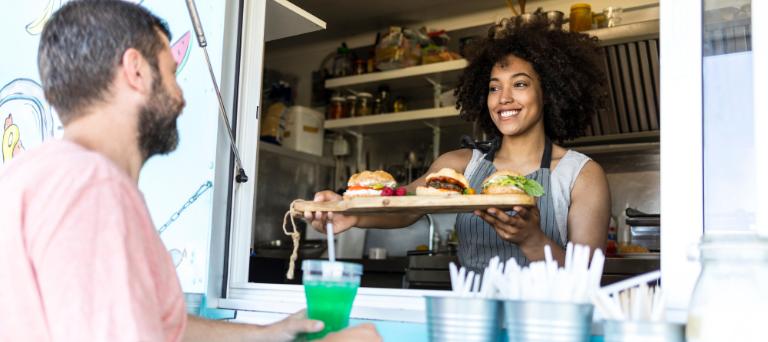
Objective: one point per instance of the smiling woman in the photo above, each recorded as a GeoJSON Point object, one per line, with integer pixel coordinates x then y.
{"type": "Point", "coordinates": [565, 64]}
{"type": "Point", "coordinates": [526, 85]}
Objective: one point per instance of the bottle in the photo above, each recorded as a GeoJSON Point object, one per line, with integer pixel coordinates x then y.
{"type": "Point", "coordinates": [436, 241]}
{"type": "Point", "coordinates": [384, 96]}
{"type": "Point", "coordinates": [612, 230]}
{"type": "Point", "coordinates": [342, 63]}
{"type": "Point", "coordinates": [399, 105]}
{"type": "Point", "coordinates": [623, 229]}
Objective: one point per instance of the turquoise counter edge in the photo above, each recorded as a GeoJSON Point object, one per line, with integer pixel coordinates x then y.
{"type": "Point", "coordinates": [417, 332]}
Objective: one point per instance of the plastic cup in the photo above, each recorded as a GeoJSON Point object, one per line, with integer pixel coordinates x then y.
{"type": "Point", "coordinates": [330, 288]}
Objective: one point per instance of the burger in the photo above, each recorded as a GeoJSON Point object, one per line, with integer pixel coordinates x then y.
{"type": "Point", "coordinates": [369, 184]}
{"type": "Point", "coordinates": [445, 182]}
{"type": "Point", "coordinates": [509, 183]}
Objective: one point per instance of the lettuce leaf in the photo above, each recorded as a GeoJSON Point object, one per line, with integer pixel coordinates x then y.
{"type": "Point", "coordinates": [530, 186]}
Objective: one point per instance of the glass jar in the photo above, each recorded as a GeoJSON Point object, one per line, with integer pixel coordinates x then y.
{"type": "Point", "coordinates": [731, 295]}
{"type": "Point", "coordinates": [351, 106]}
{"type": "Point", "coordinates": [364, 104]}
{"type": "Point", "coordinates": [336, 109]}
{"type": "Point", "coordinates": [581, 18]}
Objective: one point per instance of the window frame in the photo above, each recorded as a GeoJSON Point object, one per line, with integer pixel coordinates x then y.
{"type": "Point", "coordinates": [682, 149]}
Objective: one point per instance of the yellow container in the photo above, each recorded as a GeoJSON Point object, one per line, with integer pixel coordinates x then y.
{"type": "Point", "coordinates": [581, 17]}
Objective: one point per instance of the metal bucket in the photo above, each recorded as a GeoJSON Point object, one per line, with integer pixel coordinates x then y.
{"type": "Point", "coordinates": [464, 319]}
{"type": "Point", "coordinates": [547, 321]}
{"type": "Point", "coordinates": [643, 331]}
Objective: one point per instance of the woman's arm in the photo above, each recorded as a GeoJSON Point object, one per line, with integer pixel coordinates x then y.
{"type": "Point", "coordinates": [456, 160]}
{"type": "Point", "coordinates": [588, 218]}
{"type": "Point", "coordinates": [590, 211]}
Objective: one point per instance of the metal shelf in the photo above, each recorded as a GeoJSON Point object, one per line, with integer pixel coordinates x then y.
{"type": "Point", "coordinates": [397, 122]}
{"type": "Point", "coordinates": [284, 19]}
{"type": "Point", "coordinates": [272, 148]}
{"type": "Point", "coordinates": [443, 72]}
{"type": "Point", "coordinates": [623, 138]}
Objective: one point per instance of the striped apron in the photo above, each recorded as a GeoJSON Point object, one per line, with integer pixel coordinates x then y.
{"type": "Point", "coordinates": [478, 242]}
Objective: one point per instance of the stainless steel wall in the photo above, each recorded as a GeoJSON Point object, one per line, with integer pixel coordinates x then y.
{"type": "Point", "coordinates": [283, 177]}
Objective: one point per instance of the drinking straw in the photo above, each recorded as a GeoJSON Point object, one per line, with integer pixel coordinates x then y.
{"type": "Point", "coordinates": [454, 276]}
{"type": "Point", "coordinates": [331, 247]}
{"type": "Point", "coordinates": [632, 282]}
{"type": "Point", "coordinates": [467, 288]}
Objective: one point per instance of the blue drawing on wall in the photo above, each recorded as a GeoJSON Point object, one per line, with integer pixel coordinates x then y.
{"type": "Point", "coordinates": [37, 25]}
{"type": "Point", "coordinates": [26, 117]}
{"type": "Point", "coordinates": [27, 120]}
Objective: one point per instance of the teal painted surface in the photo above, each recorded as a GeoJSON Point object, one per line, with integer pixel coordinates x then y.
{"type": "Point", "coordinates": [416, 332]}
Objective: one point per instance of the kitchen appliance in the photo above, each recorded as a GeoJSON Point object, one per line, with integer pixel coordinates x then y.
{"type": "Point", "coordinates": [644, 230]}
{"type": "Point", "coordinates": [429, 270]}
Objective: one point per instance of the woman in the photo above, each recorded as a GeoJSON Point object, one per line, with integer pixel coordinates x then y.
{"type": "Point", "coordinates": [525, 85]}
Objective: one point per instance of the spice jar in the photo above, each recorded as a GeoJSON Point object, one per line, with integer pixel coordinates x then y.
{"type": "Point", "coordinates": [729, 300]}
{"type": "Point", "coordinates": [377, 106]}
{"type": "Point", "coordinates": [364, 104]}
{"type": "Point", "coordinates": [351, 106]}
{"type": "Point", "coordinates": [360, 67]}
{"type": "Point", "coordinates": [581, 18]}
{"type": "Point", "coordinates": [336, 109]}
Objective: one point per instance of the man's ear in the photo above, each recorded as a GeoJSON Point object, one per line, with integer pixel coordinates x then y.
{"type": "Point", "coordinates": [135, 71]}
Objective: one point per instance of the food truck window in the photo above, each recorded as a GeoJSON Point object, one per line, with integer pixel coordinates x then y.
{"type": "Point", "coordinates": [728, 117]}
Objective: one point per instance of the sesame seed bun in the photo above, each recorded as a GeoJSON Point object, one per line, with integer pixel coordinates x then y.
{"type": "Point", "coordinates": [372, 178]}
{"type": "Point", "coordinates": [429, 191]}
{"type": "Point", "coordinates": [449, 173]}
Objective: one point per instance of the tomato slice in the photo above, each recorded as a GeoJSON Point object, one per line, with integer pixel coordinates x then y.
{"type": "Point", "coordinates": [357, 187]}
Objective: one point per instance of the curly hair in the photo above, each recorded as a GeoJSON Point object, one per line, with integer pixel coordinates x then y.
{"type": "Point", "coordinates": [568, 65]}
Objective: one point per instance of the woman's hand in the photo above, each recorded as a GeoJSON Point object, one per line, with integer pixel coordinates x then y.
{"type": "Point", "coordinates": [522, 229]}
{"type": "Point", "coordinates": [318, 220]}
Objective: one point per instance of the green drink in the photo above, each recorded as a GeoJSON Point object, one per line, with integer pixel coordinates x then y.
{"type": "Point", "coordinates": [330, 288]}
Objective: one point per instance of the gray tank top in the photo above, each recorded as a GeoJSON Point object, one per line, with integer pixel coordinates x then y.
{"type": "Point", "coordinates": [478, 242]}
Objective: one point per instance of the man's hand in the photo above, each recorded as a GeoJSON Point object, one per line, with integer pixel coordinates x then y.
{"type": "Point", "coordinates": [524, 228]}
{"type": "Point", "coordinates": [319, 219]}
{"type": "Point", "coordinates": [365, 332]}
{"type": "Point", "coordinates": [288, 329]}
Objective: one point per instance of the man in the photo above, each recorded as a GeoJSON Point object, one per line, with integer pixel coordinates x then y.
{"type": "Point", "coordinates": [83, 261]}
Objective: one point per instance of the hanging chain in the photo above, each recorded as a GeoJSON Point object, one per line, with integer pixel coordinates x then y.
{"type": "Point", "coordinates": [175, 216]}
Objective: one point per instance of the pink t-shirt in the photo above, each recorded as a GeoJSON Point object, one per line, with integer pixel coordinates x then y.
{"type": "Point", "coordinates": [80, 257]}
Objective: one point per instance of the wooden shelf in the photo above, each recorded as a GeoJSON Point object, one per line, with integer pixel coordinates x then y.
{"type": "Point", "coordinates": [397, 122]}
{"type": "Point", "coordinates": [443, 72]}
{"type": "Point", "coordinates": [284, 19]}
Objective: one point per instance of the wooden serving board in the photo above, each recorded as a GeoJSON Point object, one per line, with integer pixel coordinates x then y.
{"type": "Point", "coordinates": [417, 204]}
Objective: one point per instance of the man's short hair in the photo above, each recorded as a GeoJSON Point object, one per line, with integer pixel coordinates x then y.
{"type": "Point", "coordinates": [83, 44]}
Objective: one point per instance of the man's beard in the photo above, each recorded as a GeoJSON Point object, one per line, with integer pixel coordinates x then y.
{"type": "Point", "coordinates": [157, 122]}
